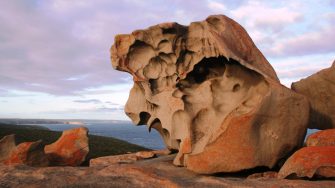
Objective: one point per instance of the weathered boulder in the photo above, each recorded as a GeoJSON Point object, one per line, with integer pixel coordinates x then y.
{"type": "Point", "coordinates": [211, 95]}
{"type": "Point", "coordinates": [27, 153]}
{"type": "Point", "coordinates": [70, 149]}
{"type": "Point", "coordinates": [311, 161]}
{"type": "Point", "coordinates": [158, 172]}
{"type": "Point", "coordinates": [7, 145]}
{"type": "Point", "coordinates": [322, 138]}
{"type": "Point", "coordinates": [319, 88]}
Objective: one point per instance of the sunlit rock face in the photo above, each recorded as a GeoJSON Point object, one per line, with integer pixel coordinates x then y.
{"type": "Point", "coordinates": [70, 149]}
{"type": "Point", "coordinates": [319, 88]}
{"type": "Point", "coordinates": [26, 153]}
{"type": "Point", "coordinates": [211, 94]}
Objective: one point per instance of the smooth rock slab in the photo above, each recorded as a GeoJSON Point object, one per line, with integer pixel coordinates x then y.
{"type": "Point", "coordinates": [310, 161]}
{"type": "Point", "coordinates": [319, 88]}
{"type": "Point", "coordinates": [322, 138]}
{"type": "Point", "coordinates": [148, 173]}
{"type": "Point", "coordinates": [70, 149]}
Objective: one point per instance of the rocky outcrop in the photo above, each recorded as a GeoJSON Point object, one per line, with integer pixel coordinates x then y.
{"type": "Point", "coordinates": [70, 149]}
{"type": "Point", "coordinates": [314, 161]}
{"type": "Point", "coordinates": [7, 145]}
{"type": "Point", "coordinates": [319, 88]}
{"type": "Point", "coordinates": [211, 94]}
{"type": "Point", "coordinates": [157, 172]}
{"type": "Point", "coordinates": [27, 153]}
{"type": "Point", "coordinates": [322, 138]}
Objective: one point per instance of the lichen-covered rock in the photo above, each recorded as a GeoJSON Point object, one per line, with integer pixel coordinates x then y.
{"type": "Point", "coordinates": [7, 145]}
{"type": "Point", "coordinates": [322, 138]}
{"type": "Point", "coordinates": [311, 161]}
{"type": "Point", "coordinates": [319, 88]}
{"type": "Point", "coordinates": [211, 94]}
{"type": "Point", "coordinates": [27, 153]}
{"type": "Point", "coordinates": [158, 172]}
{"type": "Point", "coordinates": [70, 149]}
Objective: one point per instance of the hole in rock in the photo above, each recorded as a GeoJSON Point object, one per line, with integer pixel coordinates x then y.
{"type": "Point", "coordinates": [236, 87]}
{"type": "Point", "coordinates": [144, 117]}
{"type": "Point", "coordinates": [206, 69]}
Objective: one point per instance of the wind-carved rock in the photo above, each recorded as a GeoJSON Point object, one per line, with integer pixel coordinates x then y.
{"type": "Point", "coordinates": [211, 95]}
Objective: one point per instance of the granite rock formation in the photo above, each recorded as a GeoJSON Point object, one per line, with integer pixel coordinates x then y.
{"type": "Point", "coordinates": [26, 153]}
{"type": "Point", "coordinates": [321, 138]}
{"type": "Point", "coordinates": [153, 173]}
{"type": "Point", "coordinates": [70, 149]}
{"type": "Point", "coordinates": [313, 161]}
{"type": "Point", "coordinates": [211, 95]}
{"type": "Point", "coordinates": [319, 88]}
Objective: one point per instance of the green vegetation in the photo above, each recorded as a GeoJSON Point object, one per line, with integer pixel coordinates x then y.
{"type": "Point", "coordinates": [99, 145]}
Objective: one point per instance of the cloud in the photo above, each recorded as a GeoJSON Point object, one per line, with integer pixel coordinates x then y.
{"type": "Point", "coordinates": [95, 101]}
{"type": "Point", "coordinates": [216, 6]}
{"type": "Point", "coordinates": [315, 42]}
{"type": "Point", "coordinates": [61, 47]}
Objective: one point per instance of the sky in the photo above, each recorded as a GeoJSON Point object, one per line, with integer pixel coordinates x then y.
{"type": "Point", "coordinates": [55, 61]}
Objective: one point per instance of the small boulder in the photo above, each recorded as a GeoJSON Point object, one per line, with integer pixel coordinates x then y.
{"type": "Point", "coordinates": [27, 153]}
{"type": "Point", "coordinates": [126, 158]}
{"type": "Point", "coordinates": [114, 159]}
{"type": "Point", "coordinates": [318, 161]}
{"type": "Point", "coordinates": [145, 154]}
{"type": "Point", "coordinates": [70, 149]}
{"type": "Point", "coordinates": [322, 138]}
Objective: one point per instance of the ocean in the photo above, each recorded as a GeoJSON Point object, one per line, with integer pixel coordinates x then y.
{"type": "Point", "coordinates": [122, 130]}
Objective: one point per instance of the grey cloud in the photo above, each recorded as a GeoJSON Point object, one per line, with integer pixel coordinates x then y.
{"type": "Point", "coordinates": [95, 101]}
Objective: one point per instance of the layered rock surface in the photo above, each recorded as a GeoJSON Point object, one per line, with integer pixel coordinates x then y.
{"type": "Point", "coordinates": [319, 88]}
{"type": "Point", "coordinates": [211, 94]}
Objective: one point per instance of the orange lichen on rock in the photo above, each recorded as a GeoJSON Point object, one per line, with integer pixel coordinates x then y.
{"type": "Point", "coordinates": [322, 138]}
{"type": "Point", "coordinates": [70, 149]}
{"type": "Point", "coordinates": [28, 153]}
{"type": "Point", "coordinates": [309, 162]}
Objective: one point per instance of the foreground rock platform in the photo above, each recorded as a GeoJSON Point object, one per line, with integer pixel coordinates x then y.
{"type": "Point", "coordinates": [159, 172]}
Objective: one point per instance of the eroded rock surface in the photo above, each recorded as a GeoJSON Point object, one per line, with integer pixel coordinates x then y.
{"type": "Point", "coordinates": [157, 172]}
{"type": "Point", "coordinates": [319, 88]}
{"type": "Point", "coordinates": [211, 94]}
{"type": "Point", "coordinates": [70, 149]}
{"type": "Point", "coordinates": [26, 153]}
{"type": "Point", "coordinates": [321, 138]}
{"type": "Point", "coordinates": [311, 161]}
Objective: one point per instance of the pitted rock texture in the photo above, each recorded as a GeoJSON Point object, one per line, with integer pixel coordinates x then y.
{"type": "Point", "coordinates": [70, 149]}
{"type": "Point", "coordinates": [313, 161]}
{"type": "Point", "coordinates": [26, 153]}
{"type": "Point", "coordinates": [319, 88]}
{"type": "Point", "coordinates": [211, 95]}
{"type": "Point", "coordinates": [321, 138]}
